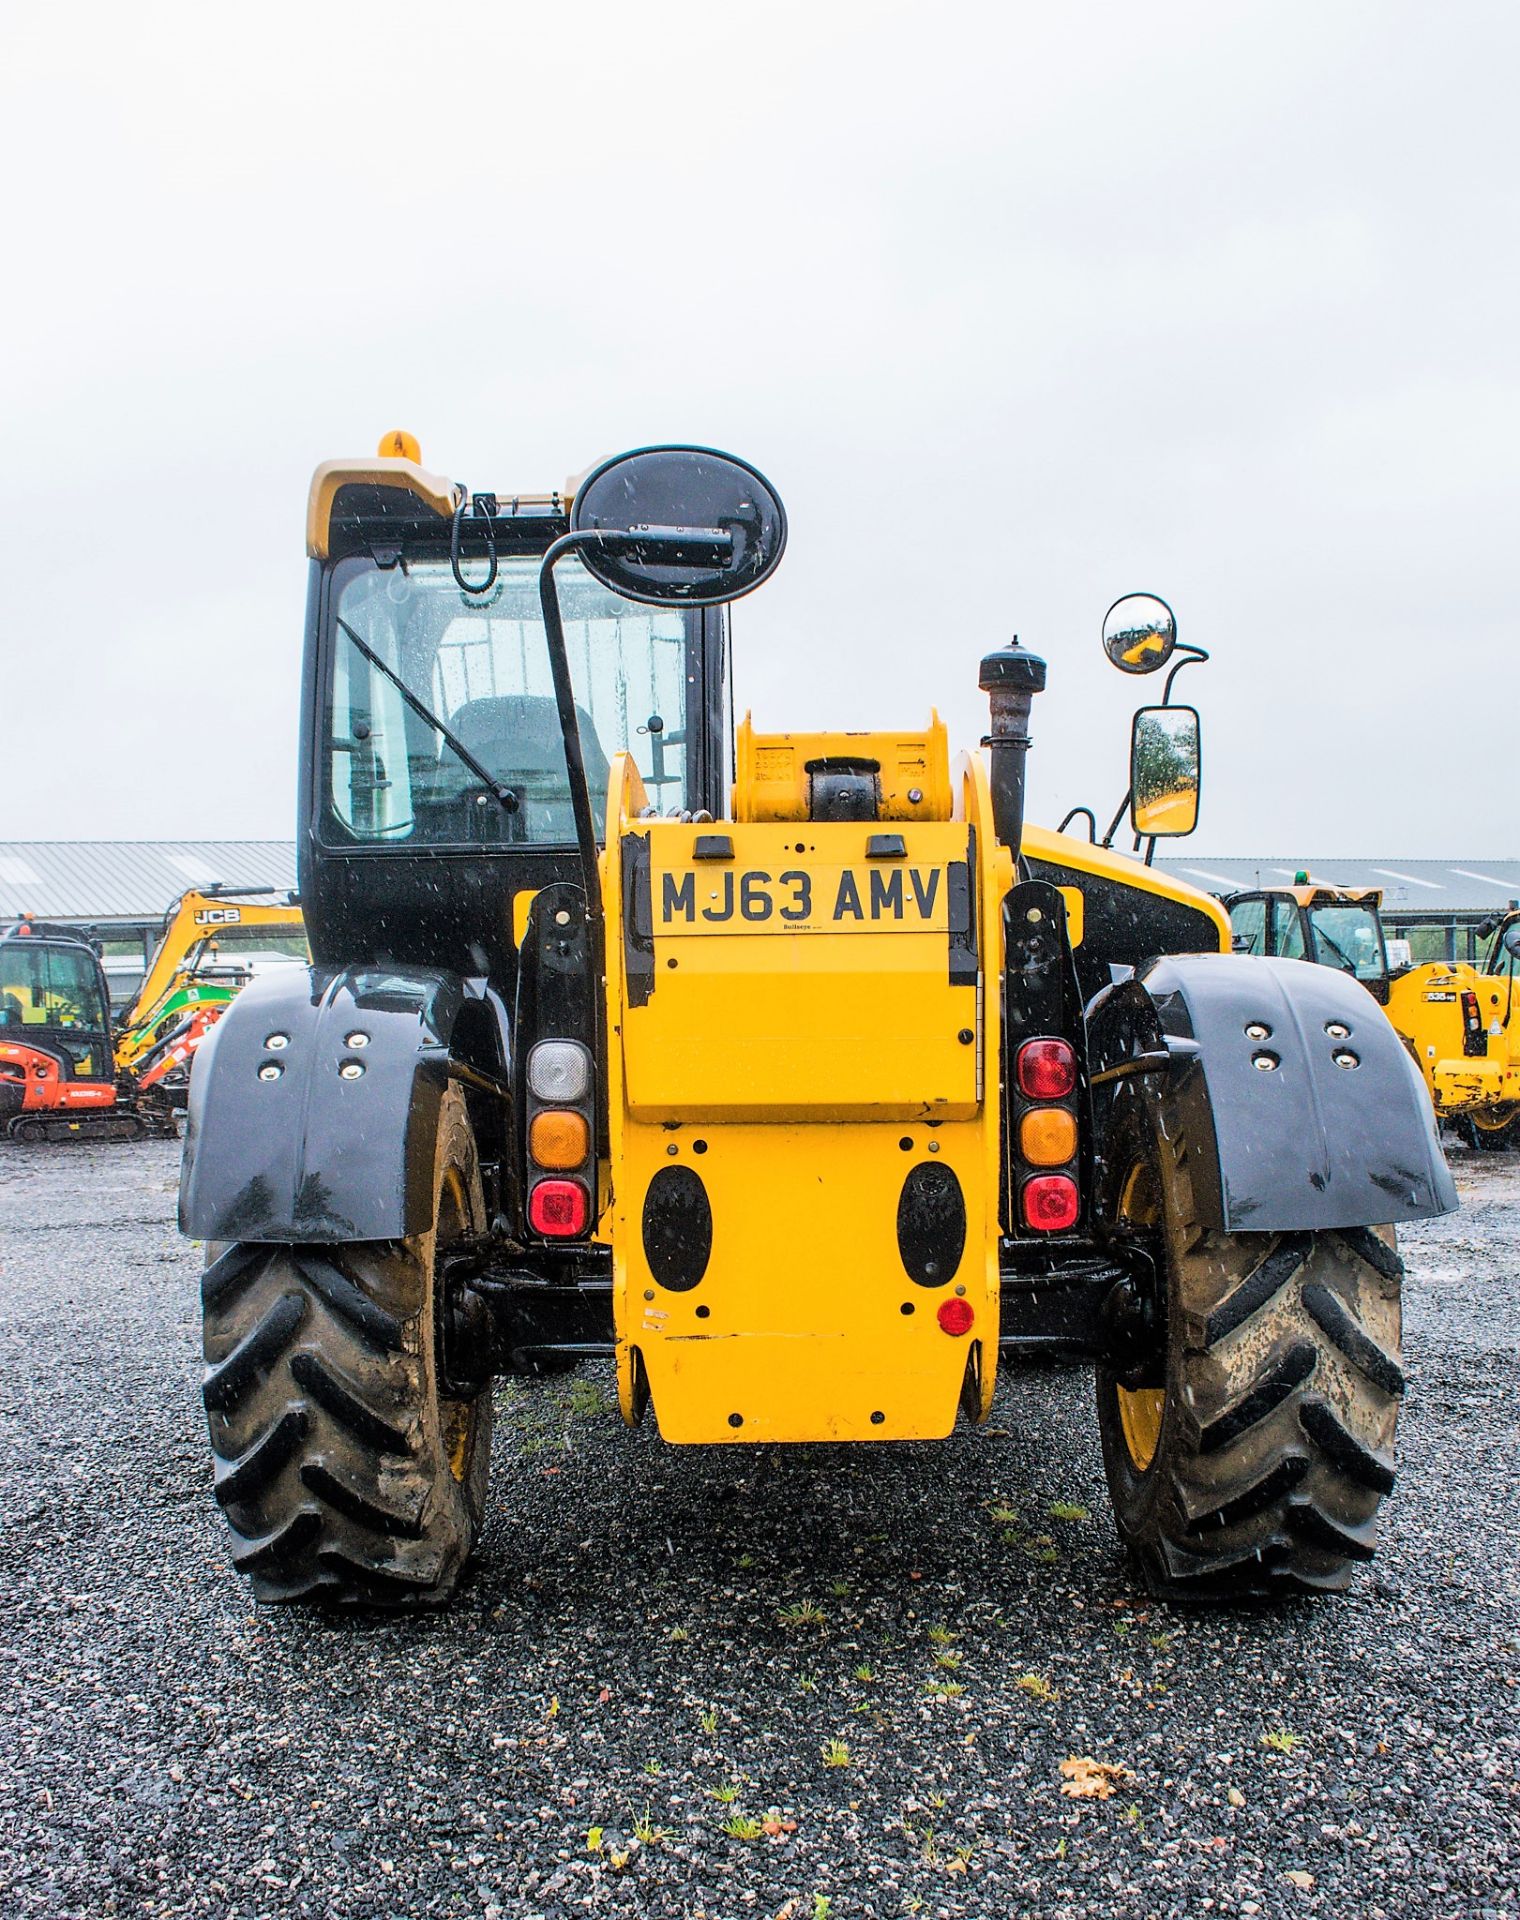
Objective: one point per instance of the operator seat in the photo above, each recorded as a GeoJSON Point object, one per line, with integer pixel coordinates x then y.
{"type": "Point", "coordinates": [517, 737]}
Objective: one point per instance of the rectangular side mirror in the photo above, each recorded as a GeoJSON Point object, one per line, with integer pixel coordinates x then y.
{"type": "Point", "coordinates": [1165, 768]}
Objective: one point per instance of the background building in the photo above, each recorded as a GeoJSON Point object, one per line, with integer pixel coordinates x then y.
{"type": "Point", "coordinates": [122, 890]}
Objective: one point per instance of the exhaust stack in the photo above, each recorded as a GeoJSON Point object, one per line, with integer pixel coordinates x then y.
{"type": "Point", "coordinates": [1011, 678]}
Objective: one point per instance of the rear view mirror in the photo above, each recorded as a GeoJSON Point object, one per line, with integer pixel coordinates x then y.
{"type": "Point", "coordinates": [681, 524]}
{"type": "Point", "coordinates": [1164, 769]}
{"type": "Point", "coordinates": [1510, 939]}
{"type": "Point", "coordinates": [1139, 633]}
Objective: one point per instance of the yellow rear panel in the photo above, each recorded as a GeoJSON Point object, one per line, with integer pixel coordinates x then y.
{"type": "Point", "coordinates": [842, 1011]}
{"type": "Point", "coordinates": [800, 1026]}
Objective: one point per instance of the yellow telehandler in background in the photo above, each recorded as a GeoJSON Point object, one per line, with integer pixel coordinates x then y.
{"type": "Point", "coordinates": [1457, 1021]}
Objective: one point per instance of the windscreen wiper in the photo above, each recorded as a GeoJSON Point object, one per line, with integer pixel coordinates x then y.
{"type": "Point", "coordinates": [509, 800]}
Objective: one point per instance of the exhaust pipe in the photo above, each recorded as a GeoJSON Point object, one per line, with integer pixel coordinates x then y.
{"type": "Point", "coordinates": [1011, 678]}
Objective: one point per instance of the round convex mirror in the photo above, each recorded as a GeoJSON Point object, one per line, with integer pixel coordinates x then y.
{"type": "Point", "coordinates": [1139, 633]}
{"type": "Point", "coordinates": [683, 524]}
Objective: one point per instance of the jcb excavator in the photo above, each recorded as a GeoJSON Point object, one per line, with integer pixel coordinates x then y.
{"type": "Point", "coordinates": [199, 967]}
{"type": "Point", "coordinates": [788, 1071]}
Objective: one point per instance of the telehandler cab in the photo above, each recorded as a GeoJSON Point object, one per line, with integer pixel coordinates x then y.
{"type": "Point", "coordinates": [790, 1071]}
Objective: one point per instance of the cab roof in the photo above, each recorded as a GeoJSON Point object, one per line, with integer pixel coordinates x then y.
{"type": "Point", "coordinates": [357, 500]}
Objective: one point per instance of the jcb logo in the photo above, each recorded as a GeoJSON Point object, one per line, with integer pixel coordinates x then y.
{"type": "Point", "coordinates": [218, 916]}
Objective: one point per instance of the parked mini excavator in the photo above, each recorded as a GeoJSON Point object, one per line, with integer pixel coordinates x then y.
{"type": "Point", "coordinates": [58, 1078]}
{"type": "Point", "coordinates": [788, 1071]}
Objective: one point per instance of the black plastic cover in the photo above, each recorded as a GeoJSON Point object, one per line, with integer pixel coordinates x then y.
{"type": "Point", "coordinates": [1303, 1110]}
{"type": "Point", "coordinates": [931, 1223]}
{"type": "Point", "coordinates": [283, 1144]}
{"type": "Point", "coordinates": [677, 1228]}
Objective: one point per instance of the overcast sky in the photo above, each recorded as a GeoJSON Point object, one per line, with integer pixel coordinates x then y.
{"type": "Point", "coordinates": [1020, 308]}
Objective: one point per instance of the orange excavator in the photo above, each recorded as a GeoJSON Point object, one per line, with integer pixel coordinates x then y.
{"type": "Point", "coordinates": [58, 1077]}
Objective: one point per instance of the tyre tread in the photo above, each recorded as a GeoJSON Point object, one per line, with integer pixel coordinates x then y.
{"type": "Point", "coordinates": [1283, 1384]}
{"type": "Point", "coordinates": [256, 1469]}
{"type": "Point", "coordinates": [1268, 1280]}
{"type": "Point", "coordinates": [1340, 1326]}
{"type": "Point", "coordinates": [255, 1354]}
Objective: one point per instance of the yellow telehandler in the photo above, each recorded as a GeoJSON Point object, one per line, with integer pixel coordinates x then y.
{"type": "Point", "coordinates": [789, 1071]}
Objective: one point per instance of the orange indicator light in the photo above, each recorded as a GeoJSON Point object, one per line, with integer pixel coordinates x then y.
{"type": "Point", "coordinates": [1047, 1136]}
{"type": "Point", "coordinates": [558, 1139]}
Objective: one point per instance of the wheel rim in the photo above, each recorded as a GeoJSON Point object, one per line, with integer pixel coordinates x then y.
{"type": "Point", "coordinates": [1493, 1119]}
{"type": "Point", "coordinates": [459, 1417]}
{"type": "Point", "coordinates": [1140, 1408]}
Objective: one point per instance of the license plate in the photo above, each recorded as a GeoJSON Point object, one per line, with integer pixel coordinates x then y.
{"type": "Point", "coordinates": [868, 898]}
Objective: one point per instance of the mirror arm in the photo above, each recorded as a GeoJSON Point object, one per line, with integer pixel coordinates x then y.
{"type": "Point", "coordinates": [685, 546]}
{"type": "Point", "coordinates": [1113, 825]}
{"type": "Point", "coordinates": [569, 725]}
{"type": "Point", "coordinates": [1191, 656]}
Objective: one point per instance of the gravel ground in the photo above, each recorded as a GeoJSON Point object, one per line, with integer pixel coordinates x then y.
{"type": "Point", "coordinates": [657, 1642]}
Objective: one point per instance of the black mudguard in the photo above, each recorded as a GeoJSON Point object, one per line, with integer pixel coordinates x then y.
{"type": "Point", "coordinates": [1303, 1145]}
{"type": "Point", "coordinates": [311, 1153]}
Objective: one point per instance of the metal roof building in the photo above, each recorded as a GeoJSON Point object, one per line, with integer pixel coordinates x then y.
{"type": "Point", "coordinates": [129, 883]}
{"type": "Point", "coordinates": [1425, 888]}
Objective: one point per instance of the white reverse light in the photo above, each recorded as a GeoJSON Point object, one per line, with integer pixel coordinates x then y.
{"type": "Point", "coordinates": [559, 1071]}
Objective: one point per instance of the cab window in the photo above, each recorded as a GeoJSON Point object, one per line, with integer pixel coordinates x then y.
{"type": "Point", "coordinates": [46, 986]}
{"type": "Point", "coordinates": [1287, 930]}
{"type": "Point", "coordinates": [410, 649]}
{"type": "Point", "coordinates": [1348, 938]}
{"type": "Point", "coordinates": [1248, 922]}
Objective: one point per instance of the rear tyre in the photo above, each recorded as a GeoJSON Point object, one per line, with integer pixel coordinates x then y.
{"type": "Point", "coordinates": [345, 1473]}
{"type": "Point", "coordinates": [1497, 1130]}
{"type": "Point", "coordinates": [1255, 1458]}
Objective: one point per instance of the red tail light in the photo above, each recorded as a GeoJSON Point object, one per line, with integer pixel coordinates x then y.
{"type": "Point", "coordinates": [1050, 1202]}
{"type": "Point", "coordinates": [955, 1316]}
{"type": "Point", "coordinates": [1047, 1069]}
{"type": "Point", "coordinates": [558, 1209]}
{"type": "Point", "coordinates": [1474, 1039]}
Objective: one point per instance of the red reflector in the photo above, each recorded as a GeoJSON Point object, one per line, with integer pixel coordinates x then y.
{"type": "Point", "coordinates": [955, 1316]}
{"type": "Point", "coordinates": [1047, 1069]}
{"type": "Point", "coordinates": [557, 1208]}
{"type": "Point", "coordinates": [1050, 1202]}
